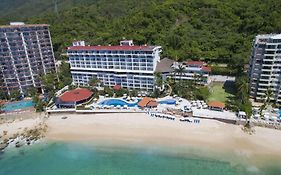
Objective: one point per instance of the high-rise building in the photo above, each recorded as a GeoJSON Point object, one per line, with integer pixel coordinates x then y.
{"type": "Point", "coordinates": [26, 53]}
{"type": "Point", "coordinates": [126, 65]}
{"type": "Point", "coordinates": [265, 68]}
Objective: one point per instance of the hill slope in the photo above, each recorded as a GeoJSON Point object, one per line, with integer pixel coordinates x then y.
{"type": "Point", "coordinates": [14, 10]}
{"type": "Point", "coordinates": [215, 30]}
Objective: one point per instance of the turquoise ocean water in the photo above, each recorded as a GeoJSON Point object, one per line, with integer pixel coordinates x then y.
{"type": "Point", "coordinates": [89, 159]}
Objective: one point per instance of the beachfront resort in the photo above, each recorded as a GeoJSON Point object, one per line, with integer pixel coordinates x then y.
{"type": "Point", "coordinates": [124, 78]}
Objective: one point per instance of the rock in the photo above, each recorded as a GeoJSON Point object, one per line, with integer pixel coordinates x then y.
{"type": "Point", "coordinates": [18, 144]}
{"type": "Point", "coordinates": [64, 118]}
{"type": "Point", "coordinates": [3, 146]}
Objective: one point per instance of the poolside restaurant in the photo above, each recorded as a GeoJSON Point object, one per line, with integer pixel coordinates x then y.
{"type": "Point", "coordinates": [216, 105]}
{"type": "Point", "coordinates": [70, 99]}
{"type": "Point", "coordinates": [147, 102]}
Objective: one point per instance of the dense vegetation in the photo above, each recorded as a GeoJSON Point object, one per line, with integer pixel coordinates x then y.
{"type": "Point", "coordinates": [216, 30]}
{"type": "Point", "coordinates": [21, 9]}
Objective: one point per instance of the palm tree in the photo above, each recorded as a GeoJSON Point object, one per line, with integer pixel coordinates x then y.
{"type": "Point", "coordinates": [168, 82]}
{"type": "Point", "coordinates": [94, 81]}
{"type": "Point", "coordinates": [1, 106]}
{"type": "Point", "coordinates": [268, 95]}
{"type": "Point", "coordinates": [179, 71]}
{"type": "Point", "coordinates": [159, 80]}
{"type": "Point", "coordinates": [242, 88]}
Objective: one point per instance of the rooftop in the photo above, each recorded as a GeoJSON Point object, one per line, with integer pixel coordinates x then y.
{"type": "Point", "coordinates": [216, 104]}
{"type": "Point", "coordinates": [165, 65]}
{"type": "Point", "coordinates": [76, 95]}
{"type": "Point", "coordinates": [24, 25]}
{"type": "Point", "coordinates": [143, 103]}
{"type": "Point", "coordinates": [197, 63]}
{"type": "Point", "coordinates": [138, 48]}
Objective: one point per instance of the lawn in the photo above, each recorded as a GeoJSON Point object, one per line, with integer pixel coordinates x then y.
{"type": "Point", "coordinates": [220, 91]}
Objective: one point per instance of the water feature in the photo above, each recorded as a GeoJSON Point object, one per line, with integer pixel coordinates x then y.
{"type": "Point", "coordinates": [120, 102]}
{"type": "Point", "coordinates": [168, 101]}
{"type": "Point", "coordinates": [18, 105]}
{"type": "Point", "coordinates": [86, 159]}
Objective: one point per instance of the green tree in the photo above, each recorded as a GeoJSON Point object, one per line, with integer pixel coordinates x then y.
{"type": "Point", "coordinates": [1, 106]}
{"type": "Point", "coordinates": [15, 95]}
{"type": "Point", "coordinates": [179, 71]}
{"type": "Point", "coordinates": [64, 74]}
{"type": "Point", "coordinates": [158, 79]}
{"type": "Point", "coordinates": [94, 81]}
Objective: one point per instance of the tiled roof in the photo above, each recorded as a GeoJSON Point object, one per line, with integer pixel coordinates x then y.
{"type": "Point", "coordinates": [216, 104]}
{"type": "Point", "coordinates": [199, 63]}
{"type": "Point", "coordinates": [24, 25]}
{"type": "Point", "coordinates": [165, 65]}
{"type": "Point", "coordinates": [207, 69]}
{"type": "Point", "coordinates": [117, 87]}
{"type": "Point", "coordinates": [138, 48]}
{"type": "Point", "coordinates": [76, 95]}
{"type": "Point", "coordinates": [144, 102]}
{"type": "Point", "coordinates": [152, 104]}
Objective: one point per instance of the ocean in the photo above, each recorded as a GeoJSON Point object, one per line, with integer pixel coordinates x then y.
{"type": "Point", "coordinates": [68, 158]}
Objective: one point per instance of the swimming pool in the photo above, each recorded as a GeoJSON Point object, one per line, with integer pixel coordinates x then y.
{"type": "Point", "coordinates": [18, 105]}
{"type": "Point", "coordinates": [120, 102]}
{"type": "Point", "coordinates": [168, 101]}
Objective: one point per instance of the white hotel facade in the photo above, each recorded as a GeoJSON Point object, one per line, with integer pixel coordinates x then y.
{"type": "Point", "coordinates": [127, 65]}
{"type": "Point", "coordinates": [265, 67]}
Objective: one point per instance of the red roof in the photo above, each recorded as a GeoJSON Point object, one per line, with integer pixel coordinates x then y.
{"type": "Point", "coordinates": [216, 104]}
{"type": "Point", "coordinates": [140, 48]}
{"type": "Point", "coordinates": [117, 87]}
{"type": "Point", "coordinates": [207, 69]}
{"type": "Point", "coordinates": [76, 95]}
{"type": "Point", "coordinates": [197, 63]}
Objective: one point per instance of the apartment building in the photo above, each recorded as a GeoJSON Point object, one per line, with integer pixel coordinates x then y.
{"type": "Point", "coordinates": [26, 52]}
{"type": "Point", "coordinates": [127, 65]}
{"type": "Point", "coordinates": [265, 67]}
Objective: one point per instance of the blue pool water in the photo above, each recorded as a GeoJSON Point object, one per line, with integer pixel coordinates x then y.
{"type": "Point", "coordinates": [18, 105]}
{"type": "Point", "coordinates": [168, 102]}
{"type": "Point", "coordinates": [121, 102]}
{"type": "Point", "coordinates": [280, 113]}
{"type": "Point", "coordinates": [117, 102]}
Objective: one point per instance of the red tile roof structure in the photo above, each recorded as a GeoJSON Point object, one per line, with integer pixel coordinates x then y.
{"type": "Point", "coordinates": [216, 104]}
{"type": "Point", "coordinates": [117, 87]}
{"type": "Point", "coordinates": [197, 63]}
{"type": "Point", "coordinates": [206, 68]}
{"type": "Point", "coordinates": [122, 48]}
{"type": "Point", "coordinates": [76, 95]}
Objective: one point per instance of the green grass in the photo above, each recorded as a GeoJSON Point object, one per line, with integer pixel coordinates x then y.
{"type": "Point", "coordinates": [220, 91]}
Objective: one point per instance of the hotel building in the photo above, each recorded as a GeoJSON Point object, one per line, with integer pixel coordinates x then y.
{"type": "Point", "coordinates": [127, 65]}
{"type": "Point", "coordinates": [265, 67]}
{"type": "Point", "coordinates": [194, 71]}
{"type": "Point", "coordinates": [26, 52]}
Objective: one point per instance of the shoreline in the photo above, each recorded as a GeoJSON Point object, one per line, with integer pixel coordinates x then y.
{"type": "Point", "coordinates": [209, 139]}
{"type": "Point", "coordinates": [138, 129]}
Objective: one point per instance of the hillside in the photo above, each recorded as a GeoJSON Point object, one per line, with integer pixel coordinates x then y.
{"type": "Point", "coordinates": [215, 30]}
{"type": "Point", "coordinates": [13, 10]}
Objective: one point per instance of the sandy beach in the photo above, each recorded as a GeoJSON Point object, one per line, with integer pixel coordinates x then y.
{"type": "Point", "coordinates": [139, 129]}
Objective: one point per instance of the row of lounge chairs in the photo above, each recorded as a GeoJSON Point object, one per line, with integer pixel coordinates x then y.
{"type": "Point", "coordinates": [190, 121]}
{"type": "Point", "coordinates": [164, 116]}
